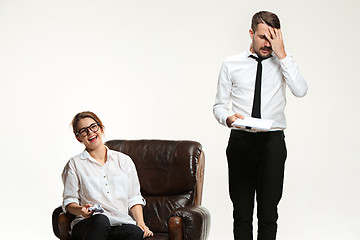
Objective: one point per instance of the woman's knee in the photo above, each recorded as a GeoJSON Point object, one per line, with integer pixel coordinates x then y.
{"type": "Point", "coordinates": [99, 220]}
{"type": "Point", "coordinates": [127, 232]}
{"type": "Point", "coordinates": [133, 232]}
{"type": "Point", "coordinates": [138, 233]}
{"type": "Point", "coordinates": [96, 227]}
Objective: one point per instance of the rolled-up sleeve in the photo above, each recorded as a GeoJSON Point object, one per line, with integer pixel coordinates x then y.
{"type": "Point", "coordinates": [134, 195]}
{"type": "Point", "coordinates": [71, 185]}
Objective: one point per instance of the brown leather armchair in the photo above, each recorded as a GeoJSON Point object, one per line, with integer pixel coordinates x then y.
{"type": "Point", "coordinates": [171, 175]}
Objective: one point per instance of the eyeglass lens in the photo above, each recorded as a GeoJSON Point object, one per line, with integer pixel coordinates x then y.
{"type": "Point", "coordinates": [85, 131]}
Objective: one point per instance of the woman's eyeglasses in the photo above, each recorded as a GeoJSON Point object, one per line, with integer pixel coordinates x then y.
{"type": "Point", "coordinates": [85, 131]}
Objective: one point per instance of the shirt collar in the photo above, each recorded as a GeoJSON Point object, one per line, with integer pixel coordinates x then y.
{"type": "Point", "coordinates": [248, 53]}
{"type": "Point", "coordinates": [86, 155]}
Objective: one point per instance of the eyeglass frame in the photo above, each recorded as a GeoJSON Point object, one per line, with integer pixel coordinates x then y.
{"type": "Point", "coordinates": [88, 129]}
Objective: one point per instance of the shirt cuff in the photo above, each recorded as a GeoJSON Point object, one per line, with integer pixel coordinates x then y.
{"type": "Point", "coordinates": [138, 200]}
{"type": "Point", "coordinates": [285, 62]}
{"type": "Point", "coordinates": [223, 120]}
{"type": "Point", "coordinates": [67, 202]}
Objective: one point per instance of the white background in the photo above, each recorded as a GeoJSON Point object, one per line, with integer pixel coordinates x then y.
{"type": "Point", "coordinates": [149, 70]}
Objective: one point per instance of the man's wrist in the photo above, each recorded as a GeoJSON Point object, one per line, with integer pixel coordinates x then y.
{"type": "Point", "coordinates": [281, 55]}
{"type": "Point", "coordinates": [228, 121]}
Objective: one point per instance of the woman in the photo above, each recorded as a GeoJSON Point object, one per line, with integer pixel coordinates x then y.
{"type": "Point", "coordinates": [102, 176]}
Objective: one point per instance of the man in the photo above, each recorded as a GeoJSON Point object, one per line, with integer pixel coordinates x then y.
{"type": "Point", "coordinates": [253, 84]}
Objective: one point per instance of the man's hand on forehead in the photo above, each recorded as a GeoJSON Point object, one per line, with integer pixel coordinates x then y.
{"type": "Point", "coordinates": [276, 40]}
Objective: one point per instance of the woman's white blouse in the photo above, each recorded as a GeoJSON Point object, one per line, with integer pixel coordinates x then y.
{"type": "Point", "coordinates": [115, 186]}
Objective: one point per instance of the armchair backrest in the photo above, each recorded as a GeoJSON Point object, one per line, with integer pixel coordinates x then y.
{"type": "Point", "coordinates": [170, 175]}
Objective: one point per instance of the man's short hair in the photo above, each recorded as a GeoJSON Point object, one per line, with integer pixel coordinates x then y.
{"type": "Point", "coordinates": [266, 17]}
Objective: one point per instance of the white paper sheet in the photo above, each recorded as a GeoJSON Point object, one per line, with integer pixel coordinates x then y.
{"type": "Point", "coordinates": [254, 123]}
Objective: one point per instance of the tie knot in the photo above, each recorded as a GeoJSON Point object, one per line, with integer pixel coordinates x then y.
{"type": "Point", "coordinates": [256, 58]}
{"type": "Point", "coordinates": [259, 59]}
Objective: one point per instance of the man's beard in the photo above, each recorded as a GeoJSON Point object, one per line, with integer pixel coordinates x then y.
{"type": "Point", "coordinates": [269, 49]}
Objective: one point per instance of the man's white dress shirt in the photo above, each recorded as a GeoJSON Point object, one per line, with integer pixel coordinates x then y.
{"type": "Point", "coordinates": [115, 186]}
{"type": "Point", "coordinates": [236, 85]}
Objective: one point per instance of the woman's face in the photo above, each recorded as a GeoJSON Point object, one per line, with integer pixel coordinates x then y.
{"type": "Point", "coordinates": [90, 137]}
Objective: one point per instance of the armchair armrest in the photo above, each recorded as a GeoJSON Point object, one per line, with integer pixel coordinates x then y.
{"type": "Point", "coordinates": [195, 222]}
{"type": "Point", "coordinates": [61, 223]}
{"type": "Point", "coordinates": [64, 221]}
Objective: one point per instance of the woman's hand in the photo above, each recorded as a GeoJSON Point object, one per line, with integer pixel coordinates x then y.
{"type": "Point", "coordinates": [137, 212]}
{"type": "Point", "coordinates": [85, 211]}
{"type": "Point", "coordinates": [76, 209]}
{"type": "Point", "coordinates": [147, 231]}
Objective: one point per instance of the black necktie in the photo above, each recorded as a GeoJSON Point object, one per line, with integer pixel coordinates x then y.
{"type": "Point", "coordinates": [256, 113]}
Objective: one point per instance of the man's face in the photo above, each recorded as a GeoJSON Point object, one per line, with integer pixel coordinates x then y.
{"type": "Point", "coordinates": [260, 45]}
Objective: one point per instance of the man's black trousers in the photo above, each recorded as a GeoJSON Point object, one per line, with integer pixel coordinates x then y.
{"type": "Point", "coordinates": [256, 165]}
